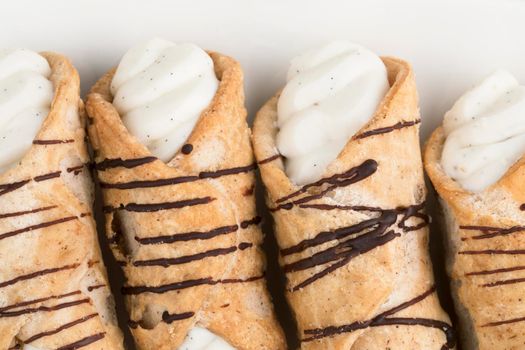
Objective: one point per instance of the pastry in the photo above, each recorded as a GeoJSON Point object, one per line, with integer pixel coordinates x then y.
{"type": "Point", "coordinates": [475, 162]}
{"type": "Point", "coordinates": [54, 292]}
{"type": "Point", "coordinates": [175, 164]}
{"type": "Point", "coordinates": [338, 152]}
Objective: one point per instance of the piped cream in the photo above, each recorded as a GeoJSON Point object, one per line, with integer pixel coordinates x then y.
{"type": "Point", "coordinates": [485, 132]}
{"type": "Point", "coordinates": [25, 99]}
{"type": "Point", "coordinates": [331, 92]}
{"type": "Point", "coordinates": [160, 89]}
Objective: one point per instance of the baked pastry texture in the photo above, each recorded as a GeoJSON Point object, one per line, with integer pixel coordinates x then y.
{"type": "Point", "coordinates": [353, 245]}
{"type": "Point", "coordinates": [186, 233]}
{"type": "Point", "coordinates": [54, 292]}
{"type": "Point", "coordinates": [485, 252]}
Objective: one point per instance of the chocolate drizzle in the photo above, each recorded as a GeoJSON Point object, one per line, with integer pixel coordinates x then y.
{"type": "Point", "coordinates": [196, 235]}
{"type": "Point", "coordinates": [36, 301]}
{"type": "Point", "coordinates": [503, 282]}
{"type": "Point", "coordinates": [374, 233]}
{"type": "Point", "coordinates": [493, 252]}
{"type": "Point", "coordinates": [37, 274]}
{"type": "Point", "coordinates": [37, 226]}
{"type": "Point", "coordinates": [60, 329]}
{"type": "Point", "coordinates": [152, 207]}
{"type": "Point", "coordinates": [387, 129]}
{"type": "Point", "coordinates": [123, 163]}
{"type": "Point", "coordinates": [269, 159]}
{"type": "Point", "coordinates": [355, 174]}
{"type": "Point", "coordinates": [385, 319]}
{"type": "Point", "coordinates": [166, 262]}
{"type": "Point", "coordinates": [490, 232]}
{"type": "Point", "coordinates": [178, 180]}
{"type": "Point", "coordinates": [52, 142]}
{"type": "Point", "coordinates": [164, 288]}
{"type": "Point", "coordinates": [25, 212]}
{"type": "Point", "coordinates": [187, 149]}
{"type": "Point", "coordinates": [504, 322]}
{"type": "Point", "coordinates": [170, 318]}
{"type": "Point", "coordinates": [10, 187]}
{"type": "Point", "coordinates": [83, 342]}
{"type": "Point", "coordinates": [491, 272]}
{"type": "Point", "coordinates": [44, 308]}
{"type": "Point", "coordinates": [6, 188]}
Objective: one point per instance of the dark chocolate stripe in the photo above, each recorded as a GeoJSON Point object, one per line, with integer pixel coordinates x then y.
{"type": "Point", "coordinates": [60, 329]}
{"type": "Point", "coordinates": [188, 236]}
{"type": "Point", "coordinates": [166, 262]}
{"type": "Point", "coordinates": [37, 274]}
{"type": "Point", "coordinates": [52, 142]}
{"type": "Point", "coordinates": [166, 318]}
{"type": "Point", "coordinates": [374, 233]}
{"type": "Point", "coordinates": [44, 308]}
{"type": "Point", "coordinates": [493, 251]}
{"type": "Point", "coordinates": [37, 226]}
{"type": "Point", "coordinates": [383, 320]}
{"type": "Point", "coordinates": [178, 180]}
{"type": "Point", "coordinates": [152, 207]}
{"type": "Point", "coordinates": [75, 169]}
{"type": "Point", "coordinates": [49, 176]}
{"type": "Point", "coordinates": [345, 259]}
{"type": "Point", "coordinates": [164, 288]}
{"type": "Point", "coordinates": [254, 221]}
{"type": "Point", "coordinates": [36, 301]}
{"type": "Point", "coordinates": [499, 323]}
{"type": "Point", "coordinates": [25, 212]}
{"type": "Point", "coordinates": [387, 129]}
{"type": "Point", "coordinates": [6, 188]}
{"type": "Point", "coordinates": [170, 318]}
{"type": "Point", "coordinates": [503, 282]}
{"type": "Point", "coordinates": [339, 207]}
{"type": "Point", "coordinates": [269, 159]}
{"type": "Point", "coordinates": [123, 163]}
{"type": "Point", "coordinates": [354, 175]}
{"type": "Point", "coordinates": [490, 232]}
{"type": "Point", "coordinates": [196, 235]}
{"type": "Point", "coordinates": [98, 286]}
{"type": "Point", "coordinates": [386, 219]}
{"type": "Point", "coordinates": [83, 342]}
{"type": "Point", "coordinates": [491, 272]}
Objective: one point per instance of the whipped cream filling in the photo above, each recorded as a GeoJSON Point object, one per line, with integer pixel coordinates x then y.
{"type": "Point", "coordinates": [202, 339]}
{"type": "Point", "coordinates": [160, 89]}
{"type": "Point", "coordinates": [331, 92]}
{"type": "Point", "coordinates": [25, 98]}
{"type": "Point", "coordinates": [485, 132]}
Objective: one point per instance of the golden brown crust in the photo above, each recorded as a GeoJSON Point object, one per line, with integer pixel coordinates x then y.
{"type": "Point", "coordinates": [485, 253]}
{"type": "Point", "coordinates": [354, 247]}
{"type": "Point", "coordinates": [193, 257]}
{"type": "Point", "coordinates": [53, 286]}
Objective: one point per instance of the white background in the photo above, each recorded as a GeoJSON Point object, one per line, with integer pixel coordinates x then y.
{"type": "Point", "coordinates": [451, 43]}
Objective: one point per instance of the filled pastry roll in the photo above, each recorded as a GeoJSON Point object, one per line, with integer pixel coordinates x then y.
{"type": "Point", "coordinates": [475, 161]}
{"type": "Point", "coordinates": [54, 292]}
{"type": "Point", "coordinates": [175, 164]}
{"type": "Point", "coordinates": [338, 152]}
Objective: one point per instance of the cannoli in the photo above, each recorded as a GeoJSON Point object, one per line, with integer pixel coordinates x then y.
{"type": "Point", "coordinates": [54, 292]}
{"type": "Point", "coordinates": [338, 152]}
{"type": "Point", "coordinates": [475, 162]}
{"type": "Point", "coordinates": [176, 168]}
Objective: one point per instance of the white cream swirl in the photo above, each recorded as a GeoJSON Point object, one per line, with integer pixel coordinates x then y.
{"type": "Point", "coordinates": [25, 98]}
{"type": "Point", "coordinates": [202, 339]}
{"type": "Point", "coordinates": [332, 92]}
{"type": "Point", "coordinates": [160, 89]}
{"type": "Point", "coordinates": [485, 132]}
